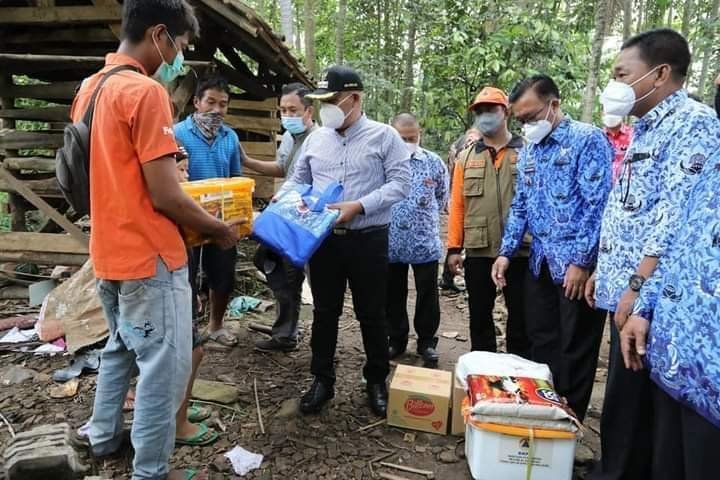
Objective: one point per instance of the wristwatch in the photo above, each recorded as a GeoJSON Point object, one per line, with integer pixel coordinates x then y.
{"type": "Point", "coordinates": [636, 282]}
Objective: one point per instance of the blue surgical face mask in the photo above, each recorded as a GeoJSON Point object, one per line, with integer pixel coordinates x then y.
{"type": "Point", "coordinates": [166, 72]}
{"type": "Point", "coordinates": [294, 125]}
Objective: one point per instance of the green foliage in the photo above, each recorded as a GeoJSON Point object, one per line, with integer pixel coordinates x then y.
{"type": "Point", "coordinates": [4, 216]}
{"type": "Point", "coordinates": [463, 45]}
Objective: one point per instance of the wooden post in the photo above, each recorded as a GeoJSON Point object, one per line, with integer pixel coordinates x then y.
{"type": "Point", "coordinates": [43, 206]}
{"type": "Point", "coordinates": [16, 204]}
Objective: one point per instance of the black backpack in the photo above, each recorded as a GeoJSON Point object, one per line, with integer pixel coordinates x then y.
{"type": "Point", "coordinates": [72, 161]}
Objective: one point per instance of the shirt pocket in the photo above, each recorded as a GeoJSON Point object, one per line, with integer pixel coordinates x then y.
{"type": "Point", "coordinates": [474, 182]}
{"type": "Point", "coordinates": [476, 233]}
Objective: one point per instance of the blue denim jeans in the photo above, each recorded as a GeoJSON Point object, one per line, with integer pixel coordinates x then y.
{"type": "Point", "coordinates": [150, 327]}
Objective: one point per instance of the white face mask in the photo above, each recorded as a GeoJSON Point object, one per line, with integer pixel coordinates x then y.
{"type": "Point", "coordinates": [332, 116]}
{"type": "Point", "coordinates": [412, 147]}
{"type": "Point", "coordinates": [618, 98]}
{"type": "Point", "coordinates": [612, 121]}
{"type": "Point", "coordinates": [535, 132]}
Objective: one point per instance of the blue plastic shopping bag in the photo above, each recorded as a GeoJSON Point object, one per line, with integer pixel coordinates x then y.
{"type": "Point", "coordinates": [298, 221]}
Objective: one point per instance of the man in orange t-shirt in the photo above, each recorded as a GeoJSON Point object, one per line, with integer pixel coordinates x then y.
{"type": "Point", "coordinates": [135, 245]}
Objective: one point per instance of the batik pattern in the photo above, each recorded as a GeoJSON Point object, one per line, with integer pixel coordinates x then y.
{"type": "Point", "coordinates": [562, 186]}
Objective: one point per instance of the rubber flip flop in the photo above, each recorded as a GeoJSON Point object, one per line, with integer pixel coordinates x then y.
{"type": "Point", "coordinates": [203, 437]}
{"type": "Point", "coordinates": [223, 337]}
{"type": "Point", "coordinates": [196, 413]}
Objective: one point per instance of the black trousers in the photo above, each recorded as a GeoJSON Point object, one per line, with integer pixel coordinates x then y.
{"type": "Point", "coordinates": [685, 444]}
{"type": "Point", "coordinates": [482, 292]}
{"type": "Point", "coordinates": [427, 304]}
{"type": "Point", "coordinates": [566, 335]}
{"type": "Point", "coordinates": [626, 422]}
{"type": "Point", "coordinates": [360, 259]}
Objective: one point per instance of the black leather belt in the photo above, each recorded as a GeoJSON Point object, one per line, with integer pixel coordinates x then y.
{"type": "Point", "coordinates": [361, 231]}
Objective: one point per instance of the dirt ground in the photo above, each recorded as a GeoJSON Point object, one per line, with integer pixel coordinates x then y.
{"type": "Point", "coordinates": [330, 445]}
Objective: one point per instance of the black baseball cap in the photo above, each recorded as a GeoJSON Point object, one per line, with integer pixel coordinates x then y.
{"type": "Point", "coordinates": [336, 79]}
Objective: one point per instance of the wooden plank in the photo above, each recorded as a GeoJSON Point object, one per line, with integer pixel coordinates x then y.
{"type": "Point", "coordinates": [42, 114]}
{"type": "Point", "coordinates": [237, 19]}
{"type": "Point", "coordinates": [53, 91]}
{"type": "Point", "coordinates": [115, 27]}
{"type": "Point", "coordinates": [38, 164]}
{"type": "Point", "coordinates": [75, 15]}
{"type": "Point", "coordinates": [251, 85]}
{"type": "Point", "coordinates": [250, 123]}
{"type": "Point", "coordinates": [41, 242]}
{"type": "Point", "coordinates": [183, 93]}
{"type": "Point", "coordinates": [41, 258]}
{"type": "Point", "coordinates": [61, 35]}
{"type": "Point", "coordinates": [48, 188]}
{"type": "Point", "coordinates": [43, 206]}
{"type": "Point", "coordinates": [269, 104]}
{"type": "Point", "coordinates": [14, 139]}
{"type": "Point", "coordinates": [260, 148]}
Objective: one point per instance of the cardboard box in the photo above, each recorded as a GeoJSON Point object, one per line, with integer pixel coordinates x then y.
{"type": "Point", "coordinates": [457, 422]}
{"type": "Point", "coordinates": [420, 399]}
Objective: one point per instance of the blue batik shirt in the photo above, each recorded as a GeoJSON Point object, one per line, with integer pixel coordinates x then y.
{"type": "Point", "coordinates": [415, 224]}
{"type": "Point", "coordinates": [684, 341]}
{"type": "Point", "coordinates": [219, 158]}
{"type": "Point", "coordinates": [562, 186]}
{"type": "Point", "coordinates": [665, 159]}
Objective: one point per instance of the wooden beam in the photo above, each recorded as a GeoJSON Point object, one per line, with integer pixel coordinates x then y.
{"type": "Point", "coordinates": [40, 114]}
{"type": "Point", "coordinates": [115, 27]}
{"type": "Point", "coordinates": [183, 93]}
{"type": "Point", "coordinates": [76, 15]}
{"type": "Point", "coordinates": [42, 242]}
{"type": "Point", "coordinates": [47, 188]}
{"type": "Point", "coordinates": [15, 139]}
{"type": "Point", "coordinates": [43, 206]}
{"type": "Point", "coordinates": [38, 164]}
{"type": "Point", "coordinates": [61, 35]}
{"type": "Point", "coordinates": [251, 123]}
{"type": "Point", "coordinates": [227, 12]}
{"type": "Point", "coordinates": [58, 90]}
{"type": "Point", "coordinates": [249, 84]}
{"type": "Point", "coordinates": [260, 148]}
{"type": "Point", "coordinates": [269, 104]}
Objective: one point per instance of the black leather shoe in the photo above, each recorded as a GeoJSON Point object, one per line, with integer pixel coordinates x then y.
{"type": "Point", "coordinates": [394, 351]}
{"type": "Point", "coordinates": [272, 345]}
{"type": "Point", "coordinates": [378, 399]}
{"type": "Point", "coordinates": [316, 397]}
{"type": "Point", "coordinates": [429, 355]}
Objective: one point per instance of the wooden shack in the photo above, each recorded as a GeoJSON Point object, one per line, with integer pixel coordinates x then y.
{"type": "Point", "coordinates": [47, 47]}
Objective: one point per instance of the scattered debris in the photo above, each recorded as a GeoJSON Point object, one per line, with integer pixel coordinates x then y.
{"type": "Point", "coordinates": [66, 390]}
{"type": "Point", "coordinates": [16, 374]}
{"type": "Point", "coordinates": [372, 425]}
{"type": "Point", "coordinates": [409, 437]}
{"type": "Point", "coordinates": [88, 361]}
{"type": "Point", "coordinates": [241, 305]}
{"type": "Point", "coordinates": [288, 409]}
{"type": "Point", "coordinates": [243, 461]}
{"type": "Point", "coordinates": [21, 322]}
{"type": "Point", "coordinates": [426, 473]}
{"type": "Point", "coordinates": [257, 405]}
{"type": "Point", "coordinates": [211, 391]}
{"type": "Point", "coordinates": [259, 327]}
{"type": "Point", "coordinates": [43, 452]}
{"type": "Point", "coordinates": [450, 335]}
{"type": "Point", "coordinates": [20, 336]}
{"type": "Point", "coordinates": [448, 456]}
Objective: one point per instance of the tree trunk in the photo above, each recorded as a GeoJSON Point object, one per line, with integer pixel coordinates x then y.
{"type": "Point", "coordinates": [703, 91]}
{"type": "Point", "coordinates": [298, 29]}
{"type": "Point", "coordinates": [340, 32]}
{"type": "Point", "coordinates": [590, 99]}
{"type": "Point", "coordinates": [310, 60]}
{"type": "Point", "coordinates": [407, 98]}
{"type": "Point", "coordinates": [687, 14]}
{"type": "Point", "coordinates": [641, 11]}
{"type": "Point", "coordinates": [670, 14]}
{"type": "Point", "coordinates": [627, 19]}
{"type": "Point", "coordinates": [286, 20]}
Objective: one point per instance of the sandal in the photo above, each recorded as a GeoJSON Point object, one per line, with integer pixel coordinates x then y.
{"type": "Point", "coordinates": [223, 337]}
{"type": "Point", "coordinates": [129, 403]}
{"type": "Point", "coordinates": [203, 437]}
{"type": "Point", "coordinates": [196, 413]}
